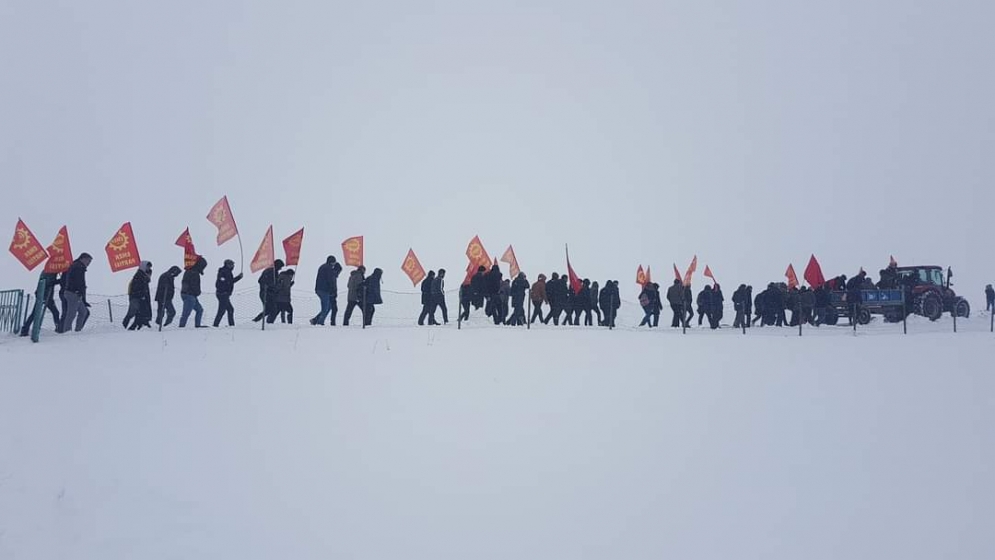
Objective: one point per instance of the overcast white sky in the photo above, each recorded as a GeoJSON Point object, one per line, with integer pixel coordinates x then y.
{"type": "Point", "coordinates": [750, 133]}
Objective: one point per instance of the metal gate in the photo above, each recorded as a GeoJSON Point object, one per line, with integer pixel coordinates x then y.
{"type": "Point", "coordinates": [11, 310]}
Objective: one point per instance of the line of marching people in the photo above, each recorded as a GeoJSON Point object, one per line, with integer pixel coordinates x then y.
{"type": "Point", "coordinates": [710, 304]}
{"type": "Point", "coordinates": [504, 300]}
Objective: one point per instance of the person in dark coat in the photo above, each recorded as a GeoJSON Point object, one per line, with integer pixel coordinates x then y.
{"type": "Point", "coordinates": [702, 303]}
{"type": "Point", "coordinates": [373, 297]}
{"type": "Point", "coordinates": [607, 299]}
{"type": "Point", "coordinates": [478, 288]}
{"type": "Point", "coordinates": [749, 305]}
{"type": "Point", "coordinates": [439, 296]}
{"type": "Point", "coordinates": [164, 293]}
{"type": "Point", "coordinates": [595, 301]}
{"type": "Point", "coordinates": [675, 297]}
{"type": "Point", "coordinates": [283, 298]}
{"type": "Point", "coordinates": [569, 295]}
{"type": "Point", "coordinates": [326, 288]}
{"type": "Point", "coordinates": [267, 289]}
{"type": "Point", "coordinates": [582, 303]}
{"type": "Point", "coordinates": [465, 301]}
{"type": "Point", "coordinates": [139, 299]}
{"type": "Point", "coordinates": [519, 289]}
{"type": "Point", "coordinates": [854, 289]}
{"type": "Point", "coordinates": [51, 281]}
{"type": "Point", "coordinates": [990, 298]}
{"type": "Point", "coordinates": [224, 287]}
{"type": "Point", "coordinates": [190, 293]}
{"type": "Point", "coordinates": [689, 304]}
{"type": "Point", "coordinates": [758, 304]}
{"type": "Point", "coordinates": [792, 299]}
{"type": "Point", "coordinates": [492, 285]}
{"type": "Point", "coordinates": [74, 282]}
{"type": "Point", "coordinates": [739, 304]}
{"type": "Point", "coordinates": [806, 303]}
{"type": "Point", "coordinates": [500, 314]}
{"type": "Point", "coordinates": [648, 302]}
{"type": "Point", "coordinates": [539, 297]}
{"type": "Point", "coordinates": [774, 306]}
{"type": "Point", "coordinates": [427, 301]}
{"type": "Point", "coordinates": [716, 307]}
{"type": "Point", "coordinates": [555, 294]}
{"type": "Point", "coordinates": [354, 295]}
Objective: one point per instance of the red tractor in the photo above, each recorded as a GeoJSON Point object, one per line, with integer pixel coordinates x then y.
{"type": "Point", "coordinates": [929, 293]}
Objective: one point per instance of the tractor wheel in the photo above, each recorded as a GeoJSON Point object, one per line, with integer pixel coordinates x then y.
{"type": "Point", "coordinates": [893, 316]}
{"type": "Point", "coordinates": [931, 307]}
{"type": "Point", "coordinates": [962, 309]}
{"type": "Point", "coordinates": [832, 317]}
{"type": "Point", "coordinates": [863, 316]}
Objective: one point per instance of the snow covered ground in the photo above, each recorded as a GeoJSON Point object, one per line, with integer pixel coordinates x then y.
{"type": "Point", "coordinates": [399, 442]}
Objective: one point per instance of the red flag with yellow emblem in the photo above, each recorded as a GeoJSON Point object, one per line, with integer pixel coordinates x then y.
{"type": "Point", "coordinates": [352, 251]}
{"type": "Point", "coordinates": [190, 255]}
{"type": "Point", "coordinates": [122, 249]}
{"type": "Point", "coordinates": [264, 256]}
{"type": "Point", "coordinates": [477, 254]}
{"type": "Point", "coordinates": [641, 278]}
{"type": "Point", "coordinates": [292, 247]}
{"type": "Point", "coordinates": [413, 268]}
{"type": "Point", "coordinates": [791, 276]}
{"type": "Point", "coordinates": [222, 218]}
{"type": "Point", "coordinates": [691, 270]}
{"type": "Point", "coordinates": [60, 253]}
{"type": "Point", "coordinates": [25, 246]}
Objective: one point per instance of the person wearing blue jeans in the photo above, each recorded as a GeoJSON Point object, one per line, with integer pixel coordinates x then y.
{"type": "Point", "coordinates": [190, 291]}
{"type": "Point", "coordinates": [326, 288]}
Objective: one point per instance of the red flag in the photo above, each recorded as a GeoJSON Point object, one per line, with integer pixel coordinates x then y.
{"type": "Point", "coordinates": [190, 255]}
{"type": "Point", "coordinates": [476, 253]}
{"type": "Point", "coordinates": [892, 261]}
{"type": "Point", "coordinates": [691, 270]}
{"type": "Point", "coordinates": [791, 276]}
{"type": "Point", "coordinates": [575, 283]}
{"type": "Point", "coordinates": [813, 273]}
{"type": "Point", "coordinates": [292, 247]}
{"type": "Point", "coordinates": [708, 274]}
{"type": "Point", "coordinates": [60, 254]}
{"type": "Point", "coordinates": [264, 257]}
{"type": "Point", "coordinates": [413, 268]}
{"type": "Point", "coordinates": [641, 278]}
{"type": "Point", "coordinates": [25, 246]}
{"type": "Point", "coordinates": [677, 274]}
{"type": "Point", "coordinates": [510, 258]}
{"type": "Point", "coordinates": [221, 216]}
{"type": "Point", "coordinates": [352, 251]}
{"type": "Point", "coordinates": [471, 269]}
{"type": "Point", "coordinates": [122, 249]}
{"type": "Point", "coordinates": [649, 275]}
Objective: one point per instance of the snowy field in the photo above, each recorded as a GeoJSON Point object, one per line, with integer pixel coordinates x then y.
{"type": "Point", "coordinates": [399, 442]}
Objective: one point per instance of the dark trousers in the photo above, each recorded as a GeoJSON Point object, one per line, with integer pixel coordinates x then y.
{"type": "Point", "coordinates": [225, 308]}
{"type": "Point", "coordinates": [647, 317]}
{"type": "Point", "coordinates": [329, 305]}
{"type": "Point", "coordinates": [368, 314]}
{"type": "Point", "coordinates": [427, 312]}
{"type": "Point", "coordinates": [517, 315]}
{"type": "Point", "coordinates": [740, 319]}
{"type": "Point", "coordinates": [445, 310]}
{"type": "Point", "coordinates": [348, 312]}
{"type": "Point", "coordinates": [608, 319]}
{"type": "Point", "coordinates": [284, 309]}
{"type": "Point", "coordinates": [464, 310]}
{"type": "Point", "coordinates": [167, 309]}
{"type": "Point", "coordinates": [50, 305]}
{"type": "Point", "coordinates": [701, 316]}
{"type": "Point", "coordinates": [679, 315]}
{"type": "Point", "coordinates": [134, 304]}
{"type": "Point", "coordinates": [554, 314]}
{"type": "Point", "coordinates": [588, 318]}
{"type": "Point", "coordinates": [536, 313]}
{"type": "Point", "coordinates": [597, 312]}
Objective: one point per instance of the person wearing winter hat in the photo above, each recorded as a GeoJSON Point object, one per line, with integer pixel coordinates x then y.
{"type": "Point", "coordinates": [224, 287]}
{"type": "Point", "coordinates": [164, 293]}
{"type": "Point", "coordinates": [267, 289]}
{"type": "Point", "coordinates": [139, 299]}
{"type": "Point", "coordinates": [74, 283]}
{"type": "Point", "coordinates": [190, 293]}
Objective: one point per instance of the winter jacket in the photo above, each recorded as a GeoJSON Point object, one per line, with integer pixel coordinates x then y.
{"type": "Point", "coordinates": [518, 290]}
{"type": "Point", "coordinates": [355, 282]}
{"type": "Point", "coordinates": [739, 299]}
{"type": "Point", "coordinates": [225, 283]}
{"type": "Point", "coordinates": [139, 286]}
{"type": "Point", "coordinates": [372, 285]}
{"type": "Point", "coordinates": [438, 290]}
{"type": "Point", "coordinates": [675, 295]}
{"type": "Point", "coordinates": [582, 300]}
{"type": "Point", "coordinates": [716, 301]}
{"type": "Point", "coordinates": [267, 283]}
{"type": "Point", "coordinates": [75, 279]}
{"type": "Point", "coordinates": [190, 284]}
{"type": "Point", "coordinates": [492, 284]}
{"type": "Point", "coordinates": [284, 284]}
{"type": "Point", "coordinates": [426, 288]}
{"type": "Point", "coordinates": [538, 292]}
{"type": "Point", "coordinates": [327, 279]}
{"type": "Point", "coordinates": [166, 288]}
{"type": "Point", "coordinates": [478, 286]}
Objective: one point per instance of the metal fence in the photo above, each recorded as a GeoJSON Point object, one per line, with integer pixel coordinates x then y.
{"type": "Point", "coordinates": [11, 310]}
